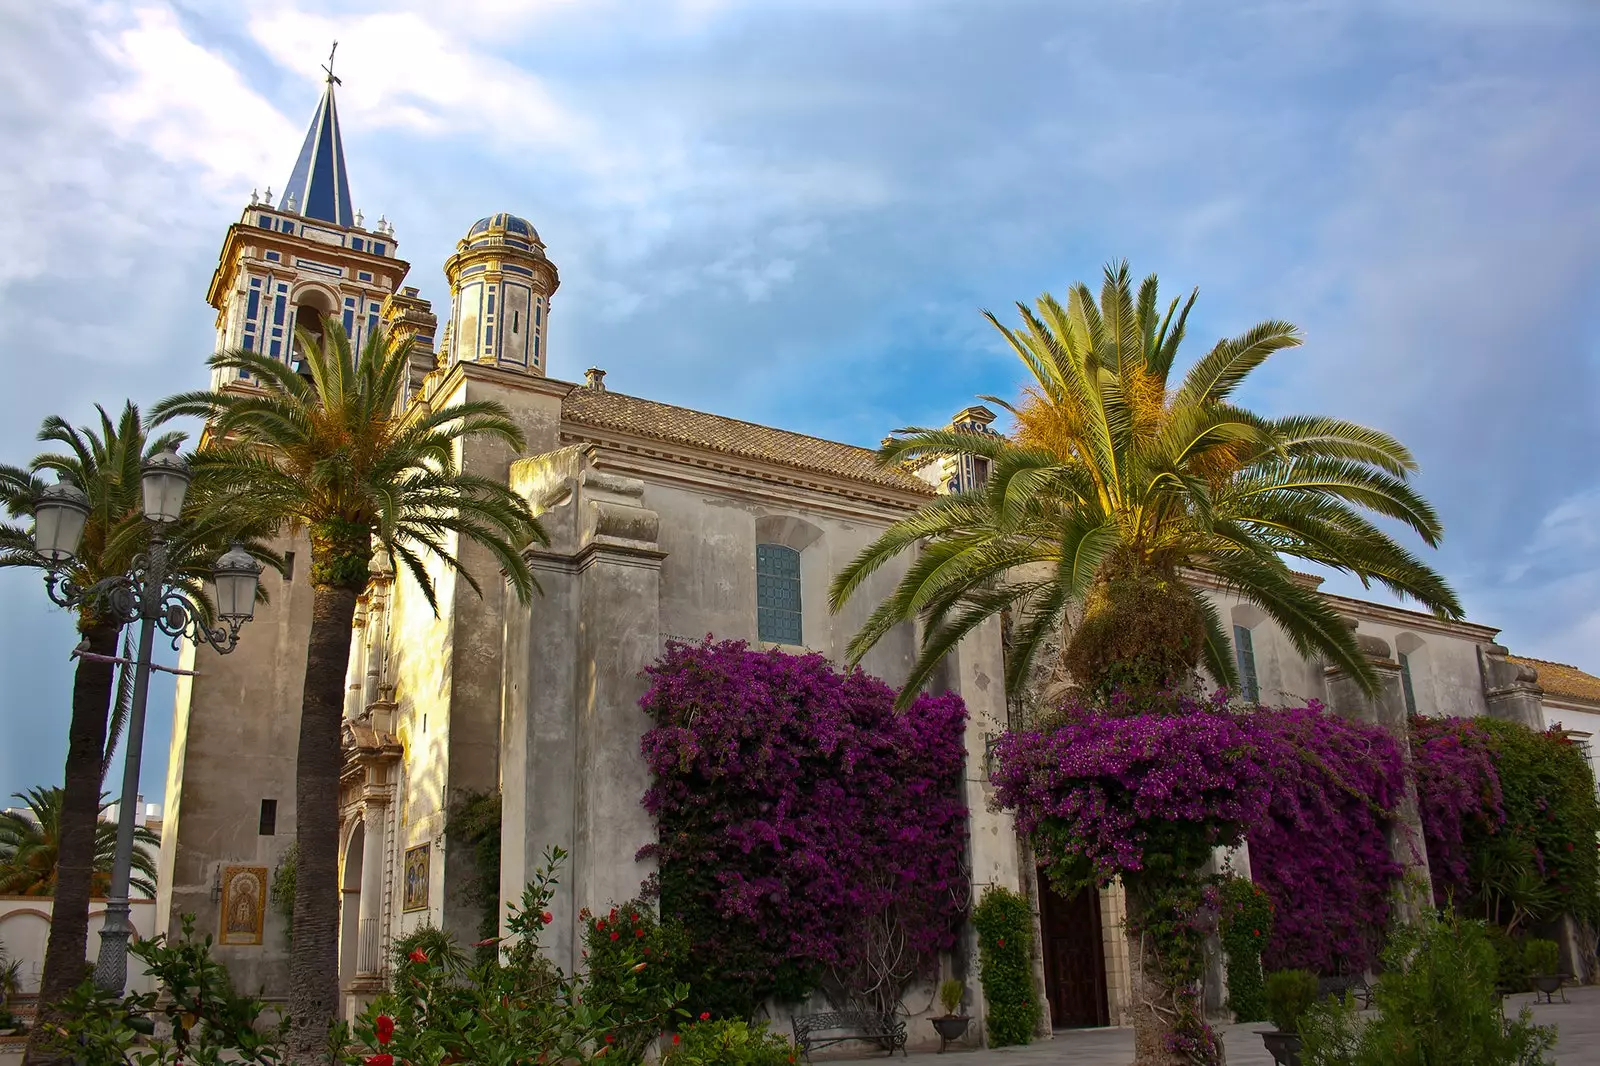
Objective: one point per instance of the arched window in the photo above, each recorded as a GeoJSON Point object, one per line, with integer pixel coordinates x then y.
{"type": "Point", "coordinates": [777, 594]}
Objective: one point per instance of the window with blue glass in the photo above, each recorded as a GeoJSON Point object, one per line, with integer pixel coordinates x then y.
{"type": "Point", "coordinates": [1244, 653]}
{"type": "Point", "coordinates": [379, 249]}
{"type": "Point", "coordinates": [1405, 683]}
{"type": "Point", "coordinates": [777, 594]}
{"type": "Point", "coordinates": [363, 275]}
{"type": "Point", "coordinates": [358, 244]}
{"type": "Point", "coordinates": [264, 221]}
{"type": "Point", "coordinates": [286, 226]}
{"type": "Point", "coordinates": [274, 257]}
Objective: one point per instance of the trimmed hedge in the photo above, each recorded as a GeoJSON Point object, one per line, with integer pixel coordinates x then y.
{"type": "Point", "coordinates": [1004, 923]}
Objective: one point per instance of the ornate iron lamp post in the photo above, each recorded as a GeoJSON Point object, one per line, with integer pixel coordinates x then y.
{"type": "Point", "coordinates": [143, 595]}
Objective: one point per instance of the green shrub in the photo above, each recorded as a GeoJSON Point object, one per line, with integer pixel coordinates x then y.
{"type": "Point", "coordinates": [1289, 994]}
{"type": "Point", "coordinates": [207, 1020]}
{"type": "Point", "coordinates": [616, 941]}
{"type": "Point", "coordinates": [728, 1043]}
{"type": "Point", "coordinates": [1436, 1004]}
{"type": "Point", "coordinates": [1004, 924]}
{"type": "Point", "coordinates": [1245, 924]}
{"type": "Point", "coordinates": [1542, 956]}
{"type": "Point", "coordinates": [439, 946]}
{"type": "Point", "coordinates": [951, 993]}
{"type": "Point", "coordinates": [1511, 964]}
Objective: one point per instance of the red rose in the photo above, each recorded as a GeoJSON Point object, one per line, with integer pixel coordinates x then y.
{"type": "Point", "coordinates": [610, 1039]}
{"type": "Point", "coordinates": [380, 1060]}
{"type": "Point", "coordinates": [640, 932]}
{"type": "Point", "coordinates": [705, 1016]}
{"type": "Point", "coordinates": [419, 956]}
{"type": "Point", "coordinates": [547, 917]}
{"type": "Point", "coordinates": [1002, 942]}
{"type": "Point", "coordinates": [384, 1027]}
{"type": "Point", "coordinates": [615, 935]}
{"type": "Point", "coordinates": [676, 1038]}
{"type": "Point", "coordinates": [600, 925]}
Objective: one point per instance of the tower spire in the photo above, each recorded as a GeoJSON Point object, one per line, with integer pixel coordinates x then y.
{"type": "Point", "coordinates": [319, 187]}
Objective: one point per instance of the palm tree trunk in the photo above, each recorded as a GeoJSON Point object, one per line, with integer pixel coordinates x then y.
{"type": "Point", "coordinates": [1152, 1005]}
{"type": "Point", "coordinates": [314, 970]}
{"type": "Point", "coordinates": [67, 949]}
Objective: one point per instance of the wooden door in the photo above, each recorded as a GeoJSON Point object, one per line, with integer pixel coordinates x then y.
{"type": "Point", "coordinates": [1074, 958]}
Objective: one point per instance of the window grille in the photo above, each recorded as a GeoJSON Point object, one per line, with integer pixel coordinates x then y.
{"type": "Point", "coordinates": [778, 594]}
{"type": "Point", "coordinates": [1245, 653]}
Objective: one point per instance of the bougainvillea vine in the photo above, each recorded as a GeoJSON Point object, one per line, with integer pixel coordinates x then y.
{"type": "Point", "coordinates": [803, 823]}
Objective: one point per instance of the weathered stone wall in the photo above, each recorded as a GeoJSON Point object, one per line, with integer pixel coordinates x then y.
{"type": "Point", "coordinates": [235, 731]}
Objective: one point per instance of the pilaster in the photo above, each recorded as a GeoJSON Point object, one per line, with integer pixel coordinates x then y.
{"type": "Point", "coordinates": [572, 772]}
{"type": "Point", "coordinates": [1511, 689]}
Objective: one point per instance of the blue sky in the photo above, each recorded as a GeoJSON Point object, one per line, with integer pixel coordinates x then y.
{"type": "Point", "coordinates": [792, 211]}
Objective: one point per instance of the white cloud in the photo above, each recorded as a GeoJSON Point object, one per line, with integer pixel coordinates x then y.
{"type": "Point", "coordinates": [189, 105]}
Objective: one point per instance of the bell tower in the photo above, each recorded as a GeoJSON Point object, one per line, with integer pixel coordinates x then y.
{"type": "Point", "coordinates": [308, 258]}
{"type": "Point", "coordinates": [500, 289]}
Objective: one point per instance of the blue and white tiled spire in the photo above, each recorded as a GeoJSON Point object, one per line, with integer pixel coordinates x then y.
{"type": "Point", "coordinates": [320, 187]}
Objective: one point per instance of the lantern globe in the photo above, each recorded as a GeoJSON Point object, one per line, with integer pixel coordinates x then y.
{"type": "Point", "coordinates": [58, 521]}
{"type": "Point", "coordinates": [237, 576]}
{"type": "Point", "coordinates": [165, 480]}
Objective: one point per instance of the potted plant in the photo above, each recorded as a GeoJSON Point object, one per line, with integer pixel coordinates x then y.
{"type": "Point", "coordinates": [1289, 994]}
{"type": "Point", "coordinates": [1543, 960]}
{"type": "Point", "coordinates": [952, 1026]}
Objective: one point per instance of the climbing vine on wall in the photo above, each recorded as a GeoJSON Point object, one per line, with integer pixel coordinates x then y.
{"type": "Point", "coordinates": [1245, 915]}
{"type": "Point", "coordinates": [796, 813]}
{"type": "Point", "coordinates": [1322, 853]}
{"type": "Point", "coordinates": [474, 819]}
{"type": "Point", "coordinates": [1511, 819]}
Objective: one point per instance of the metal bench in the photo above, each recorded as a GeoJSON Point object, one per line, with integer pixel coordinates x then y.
{"type": "Point", "coordinates": [812, 1032]}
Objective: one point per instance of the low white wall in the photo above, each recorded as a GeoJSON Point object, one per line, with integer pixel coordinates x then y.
{"type": "Point", "coordinates": [25, 929]}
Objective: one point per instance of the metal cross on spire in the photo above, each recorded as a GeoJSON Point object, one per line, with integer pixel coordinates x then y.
{"type": "Point", "coordinates": [328, 66]}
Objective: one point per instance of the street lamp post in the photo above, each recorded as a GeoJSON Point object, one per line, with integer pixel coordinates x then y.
{"type": "Point", "coordinates": [143, 595]}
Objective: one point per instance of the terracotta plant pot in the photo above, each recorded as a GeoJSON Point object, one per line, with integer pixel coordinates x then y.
{"type": "Point", "coordinates": [1283, 1047]}
{"type": "Point", "coordinates": [950, 1027]}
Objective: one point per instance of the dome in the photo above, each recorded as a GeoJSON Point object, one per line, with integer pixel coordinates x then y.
{"type": "Point", "coordinates": [503, 227]}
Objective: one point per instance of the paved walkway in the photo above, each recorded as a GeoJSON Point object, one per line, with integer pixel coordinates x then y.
{"type": "Point", "coordinates": [1578, 1024]}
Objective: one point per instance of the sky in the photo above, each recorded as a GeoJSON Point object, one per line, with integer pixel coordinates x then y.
{"type": "Point", "coordinates": [794, 212]}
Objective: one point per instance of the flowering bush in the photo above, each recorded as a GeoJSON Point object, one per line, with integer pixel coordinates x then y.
{"type": "Point", "coordinates": [728, 1043]}
{"type": "Point", "coordinates": [1321, 852]}
{"type": "Point", "coordinates": [806, 830]}
{"type": "Point", "coordinates": [1004, 924]}
{"type": "Point", "coordinates": [613, 943]}
{"type": "Point", "coordinates": [515, 1008]}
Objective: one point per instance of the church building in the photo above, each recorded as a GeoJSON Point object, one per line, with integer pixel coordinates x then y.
{"type": "Point", "coordinates": [665, 523]}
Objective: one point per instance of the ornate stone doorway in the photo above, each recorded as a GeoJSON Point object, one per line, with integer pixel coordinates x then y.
{"type": "Point", "coordinates": [1074, 958]}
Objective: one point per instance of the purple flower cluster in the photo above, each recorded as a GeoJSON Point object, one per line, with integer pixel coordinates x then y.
{"type": "Point", "coordinates": [1321, 853]}
{"type": "Point", "coordinates": [1458, 796]}
{"type": "Point", "coordinates": [1101, 790]}
{"type": "Point", "coordinates": [794, 806]}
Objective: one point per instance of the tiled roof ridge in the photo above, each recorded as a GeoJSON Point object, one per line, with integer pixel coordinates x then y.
{"type": "Point", "coordinates": [1549, 662]}
{"type": "Point", "coordinates": [873, 472]}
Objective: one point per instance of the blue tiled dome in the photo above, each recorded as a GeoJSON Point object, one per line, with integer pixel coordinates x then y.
{"type": "Point", "coordinates": [513, 229]}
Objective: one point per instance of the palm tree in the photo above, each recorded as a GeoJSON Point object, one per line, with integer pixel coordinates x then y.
{"type": "Point", "coordinates": [106, 465]}
{"type": "Point", "coordinates": [30, 848]}
{"type": "Point", "coordinates": [333, 453]}
{"type": "Point", "coordinates": [1114, 484]}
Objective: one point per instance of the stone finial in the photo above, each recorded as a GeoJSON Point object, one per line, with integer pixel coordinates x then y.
{"type": "Point", "coordinates": [255, 197]}
{"type": "Point", "coordinates": [290, 205]}
{"type": "Point", "coordinates": [360, 219]}
{"type": "Point", "coordinates": [595, 378]}
{"type": "Point", "coordinates": [266, 197]}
